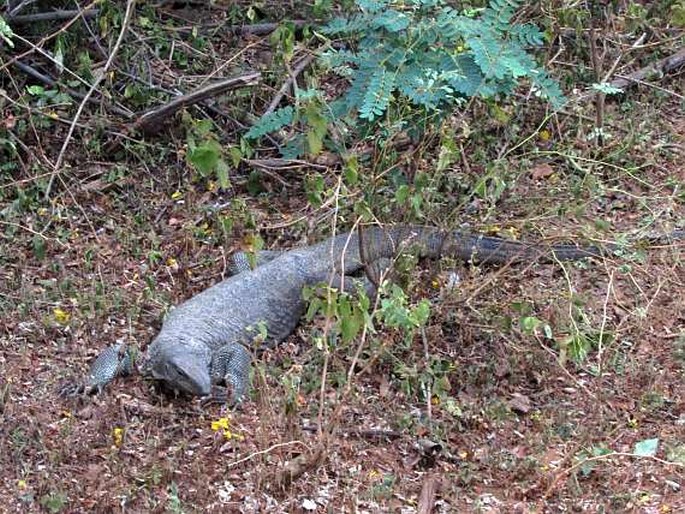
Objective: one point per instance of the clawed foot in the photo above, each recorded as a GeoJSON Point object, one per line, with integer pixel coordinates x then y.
{"type": "Point", "coordinates": [71, 389]}
{"type": "Point", "coordinates": [220, 396]}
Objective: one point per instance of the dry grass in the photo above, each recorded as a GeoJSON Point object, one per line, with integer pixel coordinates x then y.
{"type": "Point", "coordinates": [514, 421]}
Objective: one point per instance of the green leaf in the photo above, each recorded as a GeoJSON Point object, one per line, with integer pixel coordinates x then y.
{"type": "Point", "coordinates": [314, 142]}
{"type": "Point", "coordinates": [402, 194]}
{"type": "Point", "coordinates": [350, 319]}
{"type": "Point", "coordinates": [222, 174]}
{"type": "Point", "coordinates": [35, 90]}
{"type": "Point", "coordinates": [529, 324]}
{"type": "Point", "coordinates": [205, 157]}
{"type": "Point", "coordinates": [677, 15]}
{"type": "Point", "coordinates": [351, 170]}
{"type": "Point", "coordinates": [6, 32]}
{"type": "Point", "coordinates": [39, 247]}
{"type": "Point", "coordinates": [676, 454]}
{"type": "Point", "coordinates": [607, 89]}
{"type": "Point", "coordinates": [236, 155]}
{"type": "Point", "coordinates": [271, 122]}
{"type": "Point", "coordinates": [587, 465]}
{"type": "Point", "coordinates": [646, 447]}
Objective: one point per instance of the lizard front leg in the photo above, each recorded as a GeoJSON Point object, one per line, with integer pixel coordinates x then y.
{"type": "Point", "coordinates": [116, 360]}
{"type": "Point", "coordinates": [231, 365]}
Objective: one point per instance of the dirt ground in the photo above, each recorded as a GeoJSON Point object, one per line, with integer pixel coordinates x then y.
{"type": "Point", "coordinates": [551, 384]}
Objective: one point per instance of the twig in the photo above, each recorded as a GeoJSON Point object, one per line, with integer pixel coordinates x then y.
{"type": "Point", "coordinates": [31, 231]}
{"type": "Point", "coordinates": [127, 18]}
{"type": "Point", "coordinates": [258, 29]}
{"type": "Point", "coordinates": [602, 328]}
{"type": "Point", "coordinates": [659, 88]}
{"type": "Point", "coordinates": [370, 433]}
{"type": "Point", "coordinates": [29, 70]}
{"type": "Point", "coordinates": [582, 462]}
{"type": "Point", "coordinates": [19, 7]}
{"type": "Point", "coordinates": [262, 452]}
{"type": "Point", "coordinates": [45, 39]}
{"type": "Point", "coordinates": [51, 16]}
{"type": "Point", "coordinates": [299, 68]}
{"type": "Point", "coordinates": [426, 363]}
{"type": "Point", "coordinates": [151, 121]}
{"type": "Point", "coordinates": [599, 96]}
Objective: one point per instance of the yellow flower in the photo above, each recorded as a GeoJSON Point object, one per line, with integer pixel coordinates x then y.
{"type": "Point", "coordinates": [176, 195]}
{"type": "Point", "coordinates": [62, 317]}
{"type": "Point", "coordinates": [221, 423]}
{"type": "Point", "coordinates": [21, 484]}
{"type": "Point", "coordinates": [230, 435]}
{"type": "Point", "coordinates": [118, 436]}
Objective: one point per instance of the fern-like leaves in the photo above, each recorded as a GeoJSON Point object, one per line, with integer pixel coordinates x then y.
{"type": "Point", "coordinates": [271, 122]}
{"type": "Point", "coordinates": [428, 55]}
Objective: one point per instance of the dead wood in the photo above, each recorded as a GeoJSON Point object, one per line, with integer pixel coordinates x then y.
{"type": "Point", "coordinates": [23, 19]}
{"type": "Point", "coordinates": [430, 488]}
{"type": "Point", "coordinates": [655, 70]}
{"type": "Point", "coordinates": [152, 121]}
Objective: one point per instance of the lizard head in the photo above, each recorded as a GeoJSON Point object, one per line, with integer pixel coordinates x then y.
{"type": "Point", "coordinates": [184, 368]}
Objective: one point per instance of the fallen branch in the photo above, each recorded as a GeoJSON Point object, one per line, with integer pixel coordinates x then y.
{"type": "Point", "coordinates": [152, 121]}
{"type": "Point", "coordinates": [657, 69]}
{"type": "Point", "coordinates": [297, 70]}
{"type": "Point", "coordinates": [23, 19]}
{"type": "Point", "coordinates": [261, 29]}
{"type": "Point", "coordinates": [430, 488]}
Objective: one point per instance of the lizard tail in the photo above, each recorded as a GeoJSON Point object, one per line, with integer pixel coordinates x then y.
{"type": "Point", "coordinates": [485, 249]}
{"type": "Point", "coordinates": [378, 242]}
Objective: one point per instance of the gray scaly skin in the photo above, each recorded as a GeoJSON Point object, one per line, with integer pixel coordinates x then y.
{"type": "Point", "coordinates": [206, 340]}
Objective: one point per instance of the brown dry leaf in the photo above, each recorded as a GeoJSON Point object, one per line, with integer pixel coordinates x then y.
{"type": "Point", "coordinates": [520, 403]}
{"type": "Point", "coordinates": [9, 122]}
{"type": "Point", "coordinates": [541, 171]}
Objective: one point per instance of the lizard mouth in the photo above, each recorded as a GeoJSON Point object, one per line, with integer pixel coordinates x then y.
{"type": "Point", "coordinates": [185, 372]}
{"type": "Point", "coordinates": [193, 379]}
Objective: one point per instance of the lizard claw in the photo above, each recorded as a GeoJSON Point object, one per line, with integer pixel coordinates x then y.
{"type": "Point", "coordinates": [219, 396]}
{"type": "Point", "coordinates": [71, 389]}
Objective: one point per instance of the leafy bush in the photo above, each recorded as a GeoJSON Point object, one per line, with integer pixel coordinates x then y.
{"type": "Point", "coordinates": [428, 55]}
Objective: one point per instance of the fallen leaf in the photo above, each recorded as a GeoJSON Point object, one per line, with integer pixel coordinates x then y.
{"type": "Point", "coordinates": [520, 403]}
{"type": "Point", "coordinates": [541, 171]}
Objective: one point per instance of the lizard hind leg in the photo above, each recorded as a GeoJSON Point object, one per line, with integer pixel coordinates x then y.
{"type": "Point", "coordinates": [375, 272]}
{"type": "Point", "coordinates": [243, 261]}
